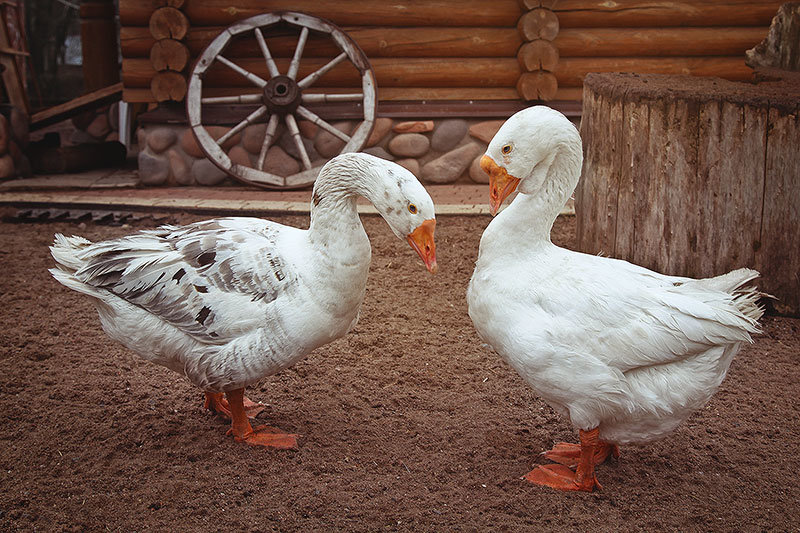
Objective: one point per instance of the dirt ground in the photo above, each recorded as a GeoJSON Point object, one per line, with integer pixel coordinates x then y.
{"type": "Point", "coordinates": [406, 424]}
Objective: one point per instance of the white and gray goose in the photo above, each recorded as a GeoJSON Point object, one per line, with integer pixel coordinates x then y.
{"type": "Point", "coordinates": [229, 301]}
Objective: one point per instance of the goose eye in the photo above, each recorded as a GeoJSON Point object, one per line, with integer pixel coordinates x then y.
{"type": "Point", "coordinates": [506, 149]}
{"type": "Point", "coordinates": [412, 209]}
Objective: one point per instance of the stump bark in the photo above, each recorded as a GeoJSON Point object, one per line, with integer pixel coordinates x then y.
{"type": "Point", "coordinates": [694, 177]}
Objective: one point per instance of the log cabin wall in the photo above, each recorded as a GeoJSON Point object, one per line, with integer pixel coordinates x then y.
{"type": "Point", "coordinates": [419, 50]}
{"type": "Point", "coordinates": [451, 71]}
{"type": "Point", "coordinates": [699, 38]}
{"type": "Point", "coordinates": [473, 49]}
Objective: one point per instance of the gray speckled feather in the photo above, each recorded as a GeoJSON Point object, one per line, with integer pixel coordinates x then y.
{"type": "Point", "coordinates": [183, 274]}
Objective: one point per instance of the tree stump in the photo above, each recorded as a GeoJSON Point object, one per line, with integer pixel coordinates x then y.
{"type": "Point", "coordinates": [693, 177]}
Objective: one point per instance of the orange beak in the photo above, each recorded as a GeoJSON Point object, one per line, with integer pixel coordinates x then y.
{"type": "Point", "coordinates": [501, 184]}
{"type": "Point", "coordinates": [421, 240]}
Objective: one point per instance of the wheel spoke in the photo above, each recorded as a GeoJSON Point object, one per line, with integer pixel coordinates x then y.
{"type": "Point", "coordinates": [308, 115]}
{"type": "Point", "coordinates": [271, 66]}
{"type": "Point", "coordinates": [249, 75]}
{"type": "Point", "coordinates": [272, 126]}
{"type": "Point", "coordinates": [324, 98]}
{"type": "Point", "coordinates": [241, 99]}
{"type": "Point", "coordinates": [298, 141]}
{"type": "Point", "coordinates": [294, 66]}
{"type": "Point", "coordinates": [314, 76]}
{"type": "Point", "coordinates": [261, 111]}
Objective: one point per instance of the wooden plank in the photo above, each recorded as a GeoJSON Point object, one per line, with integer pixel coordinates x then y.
{"type": "Point", "coordinates": [418, 72]}
{"type": "Point", "coordinates": [659, 42]}
{"type": "Point", "coordinates": [646, 13]}
{"type": "Point", "coordinates": [571, 71]}
{"type": "Point", "coordinates": [383, 41]}
{"type": "Point", "coordinates": [342, 12]}
{"type": "Point", "coordinates": [778, 254]}
{"type": "Point", "coordinates": [78, 105]}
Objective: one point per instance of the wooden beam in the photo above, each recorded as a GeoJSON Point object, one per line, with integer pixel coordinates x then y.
{"type": "Point", "coordinates": [76, 106]}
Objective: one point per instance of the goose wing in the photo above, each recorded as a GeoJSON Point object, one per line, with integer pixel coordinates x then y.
{"type": "Point", "coordinates": [214, 280]}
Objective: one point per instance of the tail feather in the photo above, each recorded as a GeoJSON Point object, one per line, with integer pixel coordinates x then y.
{"type": "Point", "coordinates": [745, 297]}
{"type": "Point", "coordinates": [71, 282]}
{"type": "Point", "coordinates": [65, 251]}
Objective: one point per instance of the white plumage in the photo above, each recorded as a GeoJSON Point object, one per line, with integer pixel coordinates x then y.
{"type": "Point", "coordinates": [231, 300]}
{"type": "Point", "coordinates": [625, 353]}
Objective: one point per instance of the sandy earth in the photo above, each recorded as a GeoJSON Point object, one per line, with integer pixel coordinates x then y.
{"type": "Point", "coordinates": [407, 423]}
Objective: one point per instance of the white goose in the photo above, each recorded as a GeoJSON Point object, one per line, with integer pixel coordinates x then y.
{"type": "Point", "coordinates": [625, 353]}
{"type": "Point", "coordinates": [231, 300]}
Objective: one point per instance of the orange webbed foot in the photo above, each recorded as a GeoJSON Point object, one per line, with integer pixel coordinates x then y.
{"type": "Point", "coordinates": [568, 454]}
{"type": "Point", "coordinates": [242, 431]}
{"type": "Point", "coordinates": [583, 458]}
{"type": "Point", "coordinates": [216, 402]}
{"type": "Point", "coordinates": [266, 436]}
{"type": "Point", "coordinates": [562, 478]}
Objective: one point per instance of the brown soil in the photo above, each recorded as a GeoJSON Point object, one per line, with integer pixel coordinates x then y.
{"type": "Point", "coordinates": [407, 423]}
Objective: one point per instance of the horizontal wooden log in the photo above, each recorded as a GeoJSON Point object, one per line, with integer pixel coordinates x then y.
{"type": "Point", "coordinates": [168, 85]}
{"type": "Point", "coordinates": [538, 55]}
{"type": "Point", "coordinates": [539, 85]}
{"type": "Point", "coordinates": [144, 95]}
{"type": "Point", "coordinates": [136, 41]}
{"type": "Point", "coordinates": [645, 13]}
{"type": "Point", "coordinates": [168, 23]}
{"type": "Point", "coordinates": [621, 42]}
{"type": "Point", "coordinates": [538, 23]}
{"type": "Point", "coordinates": [571, 70]}
{"type": "Point", "coordinates": [169, 54]}
{"type": "Point", "coordinates": [343, 12]}
{"type": "Point", "coordinates": [430, 72]}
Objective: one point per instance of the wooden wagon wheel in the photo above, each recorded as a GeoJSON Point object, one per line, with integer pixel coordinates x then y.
{"type": "Point", "coordinates": [282, 98]}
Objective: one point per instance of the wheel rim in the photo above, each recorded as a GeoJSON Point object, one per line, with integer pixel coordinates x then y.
{"type": "Point", "coordinates": [281, 99]}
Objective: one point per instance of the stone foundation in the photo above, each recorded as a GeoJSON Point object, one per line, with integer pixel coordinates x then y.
{"type": "Point", "coordinates": [436, 151]}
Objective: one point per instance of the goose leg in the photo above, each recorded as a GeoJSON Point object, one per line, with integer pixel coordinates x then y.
{"type": "Point", "coordinates": [560, 477]}
{"type": "Point", "coordinates": [242, 431]}
{"type": "Point", "coordinates": [568, 454]}
{"type": "Point", "coordinates": [216, 402]}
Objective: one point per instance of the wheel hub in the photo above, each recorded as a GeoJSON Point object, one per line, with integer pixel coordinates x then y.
{"type": "Point", "coordinates": [281, 95]}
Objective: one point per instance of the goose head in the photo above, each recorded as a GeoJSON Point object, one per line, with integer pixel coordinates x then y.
{"type": "Point", "coordinates": [522, 154]}
{"type": "Point", "coordinates": [395, 192]}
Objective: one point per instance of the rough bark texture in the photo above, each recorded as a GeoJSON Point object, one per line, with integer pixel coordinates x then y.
{"type": "Point", "coordinates": [693, 176]}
